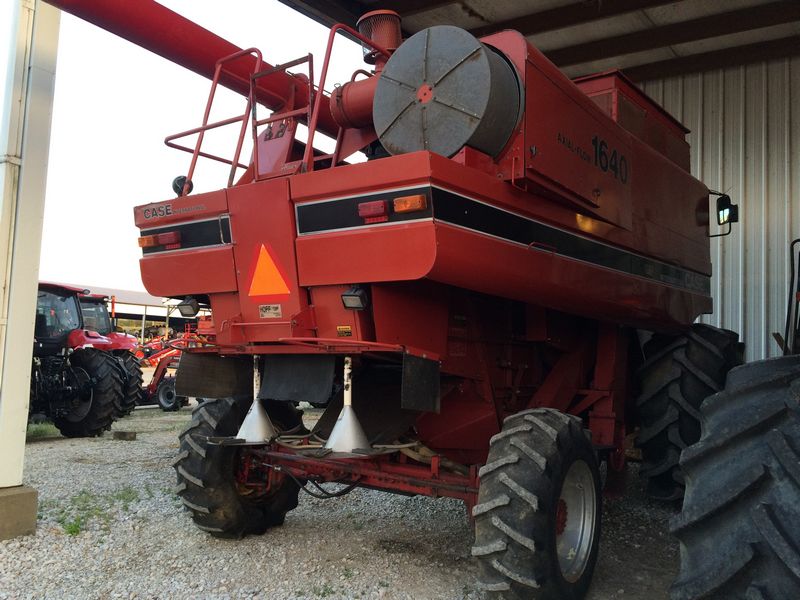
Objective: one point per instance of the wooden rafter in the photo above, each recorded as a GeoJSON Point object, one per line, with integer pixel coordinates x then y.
{"type": "Point", "coordinates": [717, 59]}
{"type": "Point", "coordinates": [746, 19]}
{"type": "Point", "coordinates": [566, 16]}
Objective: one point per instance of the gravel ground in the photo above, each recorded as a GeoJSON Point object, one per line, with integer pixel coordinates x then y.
{"type": "Point", "coordinates": [110, 527]}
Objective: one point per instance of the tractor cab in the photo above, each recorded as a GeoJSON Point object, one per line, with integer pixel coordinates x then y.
{"type": "Point", "coordinates": [94, 311]}
{"type": "Point", "coordinates": [57, 315]}
{"type": "Point", "coordinates": [95, 314]}
{"type": "Point", "coordinates": [60, 322]}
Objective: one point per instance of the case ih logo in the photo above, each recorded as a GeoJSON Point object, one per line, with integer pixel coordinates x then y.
{"type": "Point", "coordinates": [165, 210]}
{"type": "Point", "coordinates": [158, 211]}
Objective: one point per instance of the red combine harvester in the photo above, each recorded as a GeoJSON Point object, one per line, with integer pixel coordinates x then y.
{"type": "Point", "coordinates": [488, 305]}
{"type": "Point", "coordinates": [94, 308]}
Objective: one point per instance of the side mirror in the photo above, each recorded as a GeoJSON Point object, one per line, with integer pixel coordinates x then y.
{"type": "Point", "coordinates": [727, 213]}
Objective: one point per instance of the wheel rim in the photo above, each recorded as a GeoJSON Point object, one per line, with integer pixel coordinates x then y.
{"type": "Point", "coordinates": [166, 395]}
{"type": "Point", "coordinates": [576, 516]}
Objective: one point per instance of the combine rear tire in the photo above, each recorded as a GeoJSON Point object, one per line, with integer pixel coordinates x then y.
{"type": "Point", "coordinates": [133, 383]}
{"type": "Point", "coordinates": [207, 475]}
{"type": "Point", "coordinates": [740, 525]}
{"type": "Point", "coordinates": [96, 412]}
{"type": "Point", "coordinates": [678, 374]}
{"type": "Point", "coordinates": [537, 521]}
{"type": "Point", "coordinates": [168, 400]}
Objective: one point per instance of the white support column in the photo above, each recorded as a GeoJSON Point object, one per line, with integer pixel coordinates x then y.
{"type": "Point", "coordinates": [24, 147]}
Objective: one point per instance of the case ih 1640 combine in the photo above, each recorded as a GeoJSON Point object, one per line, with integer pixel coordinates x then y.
{"type": "Point", "coordinates": [488, 305]}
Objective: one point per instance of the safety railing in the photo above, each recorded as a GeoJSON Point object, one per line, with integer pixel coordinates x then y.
{"type": "Point", "coordinates": [308, 158]}
{"type": "Point", "coordinates": [288, 115]}
{"type": "Point", "coordinates": [206, 126]}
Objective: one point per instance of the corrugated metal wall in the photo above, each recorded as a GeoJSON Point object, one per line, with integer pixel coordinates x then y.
{"type": "Point", "coordinates": [745, 140]}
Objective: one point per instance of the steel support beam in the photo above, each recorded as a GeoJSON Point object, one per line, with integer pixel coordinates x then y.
{"type": "Point", "coordinates": [24, 147]}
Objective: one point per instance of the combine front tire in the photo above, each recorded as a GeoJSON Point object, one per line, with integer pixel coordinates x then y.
{"type": "Point", "coordinates": [740, 525]}
{"type": "Point", "coordinates": [95, 413]}
{"type": "Point", "coordinates": [207, 476]}
{"type": "Point", "coordinates": [678, 374]}
{"type": "Point", "coordinates": [537, 521]}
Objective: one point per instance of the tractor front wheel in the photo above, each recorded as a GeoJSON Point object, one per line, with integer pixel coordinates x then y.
{"type": "Point", "coordinates": [206, 472]}
{"type": "Point", "coordinates": [537, 521]}
{"type": "Point", "coordinates": [168, 400]}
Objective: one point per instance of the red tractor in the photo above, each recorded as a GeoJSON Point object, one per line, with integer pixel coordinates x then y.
{"type": "Point", "coordinates": [76, 381]}
{"type": "Point", "coordinates": [161, 388]}
{"type": "Point", "coordinates": [487, 306]}
{"type": "Point", "coordinates": [94, 308]}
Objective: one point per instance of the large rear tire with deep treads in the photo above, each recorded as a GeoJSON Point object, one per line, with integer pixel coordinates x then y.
{"type": "Point", "coordinates": [739, 529]}
{"type": "Point", "coordinates": [679, 372]}
{"type": "Point", "coordinates": [94, 413]}
{"type": "Point", "coordinates": [207, 473]}
{"type": "Point", "coordinates": [537, 521]}
{"type": "Point", "coordinates": [133, 383]}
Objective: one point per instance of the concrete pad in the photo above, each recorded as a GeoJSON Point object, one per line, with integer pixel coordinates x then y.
{"type": "Point", "coordinates": [18, 508]}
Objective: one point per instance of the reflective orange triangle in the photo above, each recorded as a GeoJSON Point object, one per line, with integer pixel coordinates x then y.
{"type": "Point", "coordinates": [267, 279]}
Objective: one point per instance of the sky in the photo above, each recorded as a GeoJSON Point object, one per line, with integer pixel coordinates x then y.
{"type": "Point", "coordinates": [114, 105]}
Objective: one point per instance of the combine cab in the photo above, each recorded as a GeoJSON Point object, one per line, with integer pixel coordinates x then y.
{"type": "Point", "coordinates": [94, 308]}
{"type": "Point", "coordinates": [75, 381]}
{"type": "Point", "coordinates": [487, 306]}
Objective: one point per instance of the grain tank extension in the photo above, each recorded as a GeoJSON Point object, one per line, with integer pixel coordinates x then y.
{"type": "Point", "coordinates": [467, 304]}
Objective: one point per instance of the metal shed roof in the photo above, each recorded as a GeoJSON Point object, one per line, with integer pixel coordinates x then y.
{"type": "Point", "coordinates": [646, 38]}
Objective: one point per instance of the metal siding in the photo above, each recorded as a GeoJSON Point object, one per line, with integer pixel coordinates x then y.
{"type": "Point", "coordinates": [745, 141]}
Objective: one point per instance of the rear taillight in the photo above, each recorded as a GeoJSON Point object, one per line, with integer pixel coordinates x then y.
{"type": "Point", "coordinates": [376, 211]}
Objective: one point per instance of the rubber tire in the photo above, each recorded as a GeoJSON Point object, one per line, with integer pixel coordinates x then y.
{"type": "Point", "coordinates": [133, 383]}
{"type": "Point", "coordinates": [740, 526]}
{"type": "Point", "coordinates": [520, 486]}
{"type": "Point", "coordinates": [677, 375]}
{"type": "Point", "coordinates": [106, 393]}
{"type": "Point", "coordinates": [166, 392]}
{"type": "Point", "coordinates": [206, 476]}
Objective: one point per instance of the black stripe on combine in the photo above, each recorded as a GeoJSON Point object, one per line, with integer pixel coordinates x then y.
{"type": "Point", "coordinates": [482, 218]}
{"type": "Point", "coordinates": [328, 215]}
{"type": "Point", "coordinates": [195, 234]}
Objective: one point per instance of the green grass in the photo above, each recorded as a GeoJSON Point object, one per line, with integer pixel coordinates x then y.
{"type": "Point", "coordinates": [85, 507]}
{"type": "Point", "coordinates": [41, 430]}
{"type": "Point", "coordinates": [126, 496]}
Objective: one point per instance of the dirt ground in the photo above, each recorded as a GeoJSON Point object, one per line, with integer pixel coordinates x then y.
{"type": "Point", "coordinates": [110, 526]}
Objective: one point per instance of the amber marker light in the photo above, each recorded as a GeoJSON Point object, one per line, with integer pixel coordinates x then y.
{"type": "Point", "coordinates": [406, 204]}
{"type": "Point", "coordinates": [148, 241]}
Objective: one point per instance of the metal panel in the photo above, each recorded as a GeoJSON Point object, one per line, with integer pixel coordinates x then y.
{"type": "Point", "coordinates": [745, 141]}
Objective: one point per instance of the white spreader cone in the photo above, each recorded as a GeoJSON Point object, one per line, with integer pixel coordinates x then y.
{"type": "Point", "coordinates": [347, 434]}
{"type": "Point", "coordinates": [256, 427]}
